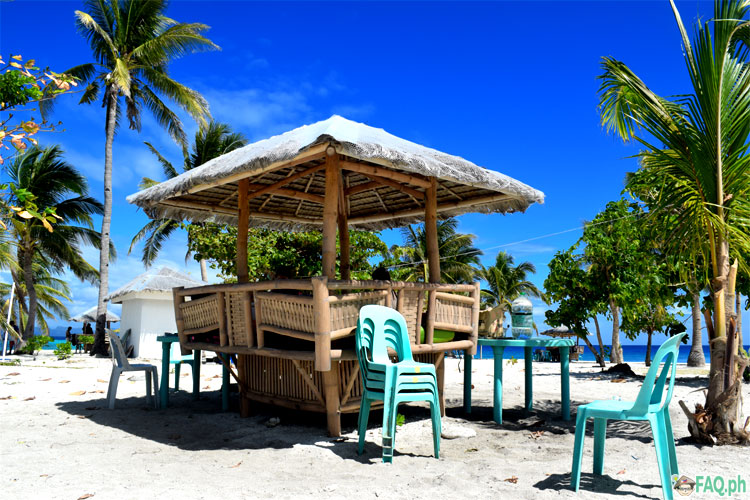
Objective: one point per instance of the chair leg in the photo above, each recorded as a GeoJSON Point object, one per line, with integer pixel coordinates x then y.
{"type": "Point", "coordinates": [662, 453]}
{"type": "Point", "coordinates": [114, 378]}
{"type": "Point", "coordinates": [364, 416]}
{"type": "Point", "coordinates": [436, 424]}
{"type": "Point", "coordinates": [148, 387]}
{"type": "Point", "coordinates": [575, 475]}
{"type": "Point", "coordinates": [155, 380]}
{"type": "Point", "coordinates": [670, 443]}
{"type": "Point", "coordinates": [600, 435]}
{"type": "Point", "coordinates": [177, 377]}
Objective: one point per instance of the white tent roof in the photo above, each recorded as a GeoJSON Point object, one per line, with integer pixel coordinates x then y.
{"type": "Point", "coordinates": [163, 280]}
{"type": "Point", "coordinates": [90, 316]}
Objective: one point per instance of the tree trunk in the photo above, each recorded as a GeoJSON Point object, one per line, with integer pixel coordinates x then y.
{"type": "Point", "coordinates": [597, 355]}
{"type": "Point", "coordinates": [204, 271]}
{"type": "Point", "coordinates": [99, 347]}
{"type": "Point", "coordinates": [602, 360]}
{"type": "Point", "coordinates": [616, 355]}
{"type": "Point", "coordinates": [28, 277]}
{"type": "Point", "coordinates": [738, 306]}
{"type": "Point", "coordinates": [648, 346]}
{"type": "Point", "coordinates": [696, 357]}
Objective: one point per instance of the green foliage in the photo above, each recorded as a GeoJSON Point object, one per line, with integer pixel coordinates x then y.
{"type": "Point", "coordinates": [274, 254]}
{"type": "Point", "coordinates": [17, 88]}
{"type": "Point", "coordinates": [35, 343]}
{"type": "Point", "coordinates": [63, 350]}
{"type": "Point", "coordinates": [12, 362]}
{"type": "Point", "coordinates": [86, 339]}
{"type": "Point", "coordinates": [400, 419]}
{"type": "Point", "coordinates": [507, 282]}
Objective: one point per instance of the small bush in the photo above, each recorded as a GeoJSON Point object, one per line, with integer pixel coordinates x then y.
{"type": "Point", "coordinates": [64, 350]}
{"type": "Point", "coordinates": [85, 339]}
{"type": "Point", "coordinates": [35, 343]}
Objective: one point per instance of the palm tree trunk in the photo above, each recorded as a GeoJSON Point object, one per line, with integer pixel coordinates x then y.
{"type": "Point", "coordinates": [648, 347]}
{"type": "Point", "coordinates": [204, 271]}
{"type": "Point", "coordinates": [721, 313]}
{"type": "Point", "coordinates": [696, 356]}
{"type": "Point", "coordinates": [28, 277]}
{"type": "Point", "coordinates": [738, 308]}
{"type": "Point", "coordinates": [616, 355]}
{"type": "Point", "coordinates": [597, 355]}
{"type": "Point", "coordinates": [602, 361]}
{"type": "Point", "coordinates": [101, 310]}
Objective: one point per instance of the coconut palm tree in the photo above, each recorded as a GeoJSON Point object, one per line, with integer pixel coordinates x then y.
{"type": "Point", "coordinates": [211, 141]}
{"type": "Point", "coordinates": [459, 259]}
{"type": "Point", "coordinates": [55, 183]}
{"type": "Point", "coordinates": [133, 42]}
{"type": "Point", "coordinates": [506, 282]}
{"type": "Point", "coordinates": [695, 147]}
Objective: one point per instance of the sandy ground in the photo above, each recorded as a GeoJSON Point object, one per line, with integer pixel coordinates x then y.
{"type": "Point", "coordinates": [58, 440]}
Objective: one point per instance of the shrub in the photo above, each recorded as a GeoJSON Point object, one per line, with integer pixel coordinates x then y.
{"type": "Point", "coordinates": [35, 343]}
{"type": "Point", "coordinates": [63, 351]}
{"type": "Point", "coordinates": [86, 339]}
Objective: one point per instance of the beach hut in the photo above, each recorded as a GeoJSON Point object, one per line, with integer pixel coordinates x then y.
{"type": "Point", "coordinates": [89, 316]}
{"type": "Point", "coordinates": [296, 349]}
{"type": "Point", "coordinates": [148, 308]}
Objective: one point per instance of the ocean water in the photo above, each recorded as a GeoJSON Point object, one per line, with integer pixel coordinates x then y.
{"type": "Point", "coordinates": [630, 353]}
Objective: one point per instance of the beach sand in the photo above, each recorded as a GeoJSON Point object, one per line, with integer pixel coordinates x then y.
{"type": "Point", "coordinates": [58, 440]}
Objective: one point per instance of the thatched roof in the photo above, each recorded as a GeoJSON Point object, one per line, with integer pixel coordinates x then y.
{"type": "Point", "coordinates": [560, 331]}
{"type": "Point", "coordinates": [370, 157]}
{"type": "Point", "coordinates": [163, 280]}
{"type": "Point", "coordinates": [90, 316]}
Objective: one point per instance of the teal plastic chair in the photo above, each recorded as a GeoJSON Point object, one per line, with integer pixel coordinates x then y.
{"type": "Point", "coordinates": [177, 359]}
{"type": "Point", "coordinates": [652, 404]}
{"type": "Point", "coordinates": [379, 328]}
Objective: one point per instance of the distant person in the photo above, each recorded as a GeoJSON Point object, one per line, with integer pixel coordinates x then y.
{"type": "Point", "coordinates": [68, 335]}
{"type": "Point", "coordinates": [13, 335]}
{"type": "Point", "coordinates": [382, 274]}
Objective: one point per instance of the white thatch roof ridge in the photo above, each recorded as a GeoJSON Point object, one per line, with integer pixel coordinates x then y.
{"type": "Point", "coordinates": [354, 139]}
{"type": "Point", "coordinates": [163, 280]}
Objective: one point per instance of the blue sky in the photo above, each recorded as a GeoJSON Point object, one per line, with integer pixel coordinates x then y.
{"type": "Point", "coordinates": [510, 86]}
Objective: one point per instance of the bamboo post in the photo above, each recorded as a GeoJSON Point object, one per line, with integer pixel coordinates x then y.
{"type": "Point", "coordinates": [243, 222]}
{"type": "Point", "coordinates": [474, 318]}
{"type": "Point", "coordinates": [223, 334]}
{"type": "Point", "coordinates": [429, 333]}
{"type": "Point", "coordinates": [440, 372]}
{"type": "Point", "coordinates": [247, 309]}
{"type": "Point", "coordinates": [178, 299]}
{"type": "Point", "coordinates": [330, 213]}
{"type": "Point", "coordinates": [322, 323]}
{"type": "Point", "coordinates": [259, 333]}
{"type": "Point", "coordinates": [344, 259]}
{"type": "Point", "coordinates": [243, 361]}
{"type": "Point", "coordinates": [430, 227]}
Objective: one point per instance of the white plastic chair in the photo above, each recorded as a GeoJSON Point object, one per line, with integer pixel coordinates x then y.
{"type": "Point", "coordinates": [120, 364]}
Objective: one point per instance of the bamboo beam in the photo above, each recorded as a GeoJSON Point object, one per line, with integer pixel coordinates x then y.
{"type": "Point", "coordinates": [414, 212]}
{"type": "Point", "coordinates": [344, 255]}
{"type": "Point", "coordinates": [314, 153]}
{"type": "Point", "coordinates": [365, 169]}
{"type": "Point", "coordinates": [330, 213]}
{"type": "Point", "coordinates": [419, 195]}
{"type": "Point", "coordinates": [288, 193]}
{"type": "Point", "coordinates": [283, 182]}
{"type": "Point", "coordinates": [243, 222]}
{"type": "Point", "coordinates": [430, 228]}
{"type": "Point", "coordinates": [359, 188]}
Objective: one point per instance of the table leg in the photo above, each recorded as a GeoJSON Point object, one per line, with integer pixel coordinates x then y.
{"type": "Point", "coordinates": [196, 373]}
{"type": "Point", "coordinates": [225, 383]}
{"type": "Point", "coordinates": [528, 371]}
{"type": "Point", "coordinates": [565, 381]}
{"type": "Point", "coordinates": [497, 400]}
{"type": "Point", "coordinates": [467, 381]}
{"type": "Point", "coordinates": [166, 347]}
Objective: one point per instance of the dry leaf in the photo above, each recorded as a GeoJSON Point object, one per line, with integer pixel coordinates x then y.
{"type": "Point", "coordinates": [6, 397]}
{"type": "Point", "coordinates": [87, 495]}
{"type": "Point", "coordinates": [207, 387]}
{"type": "Point", "coordinates": [31, 398]}
{"type": "Point", "coordinates": [78, 393]}
{"type": "Point", "coordinates": [82, 416]}
{"type": "Point", "coordinates": [102, 381]}
{"type": "Point", "coordinates": [618, 380]}
{"type": "Point", "coordinates": [64, 381]}
{"type": "Point", "coordinates": [621, 472]}
{"type": "Point", "coordinates": [43, 475]}
{"type": "Point", "coordinates": [216, 376]}
{"type": "Point", "coordinates": [235, 465]}
{"type": "Point", "coordinates": [511, 479]}
{"type": "Point", "coordinates": [471, 450]}
{"type": "Point", "coordinates": [45, 380]}
{"type": "Point", "coordinates": [99, 391]}
{"type": "Point", "coordinates": [13, 374]}
{"type": "Point", "coordinates": [536, 434]}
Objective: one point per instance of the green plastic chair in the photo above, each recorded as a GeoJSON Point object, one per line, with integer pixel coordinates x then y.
{"type": "Point", "coordinates": [177, 359]}
{"type": "Point", "coordinates": [379, 328]}
{"type": "Point", "coordinates": [652, 404]}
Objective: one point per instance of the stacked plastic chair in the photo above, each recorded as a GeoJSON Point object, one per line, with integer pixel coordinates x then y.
{"type": "Point", "coordinates": [652, 404]}
{"type": "Point", "coordinates": [378, 329]}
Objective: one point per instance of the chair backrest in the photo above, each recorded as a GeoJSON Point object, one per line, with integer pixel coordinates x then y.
{"type": "Point", "coordinates": [118, 352]}
{"type": "Point", "coordinates": [379, 328]}
{"type": "Point", "coordinates": [652, 390]}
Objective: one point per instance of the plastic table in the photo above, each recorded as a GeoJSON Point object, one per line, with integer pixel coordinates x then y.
{"type": "Point", "coordinates": [498, 348]}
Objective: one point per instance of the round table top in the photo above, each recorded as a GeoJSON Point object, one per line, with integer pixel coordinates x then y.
{"type": "Point", "coordinates": [530, 342]}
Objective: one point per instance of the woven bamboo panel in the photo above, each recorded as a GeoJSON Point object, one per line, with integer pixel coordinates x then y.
{"type": "Point", "coordinates": [409, 309]}
{"type": "Point", "coordinates": [345, 310]}
{"type": "Point", "coordinates": [294, 312]}
{"type": "Point", "coordinates": [455, 313]}
{"type": "Point", "coordinates": [200, 313]}
{"type": "Point", "coordinates": [235, 310]}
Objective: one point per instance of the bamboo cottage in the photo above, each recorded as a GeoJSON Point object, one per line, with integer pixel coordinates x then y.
{"type": "Point", "coordinates": [297, 350]}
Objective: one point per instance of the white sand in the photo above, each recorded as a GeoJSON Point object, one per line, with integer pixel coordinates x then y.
{"type": "Point", "coordinates": [64, 445]}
